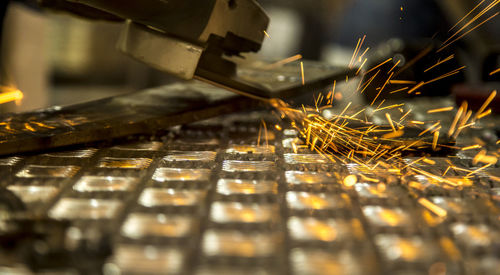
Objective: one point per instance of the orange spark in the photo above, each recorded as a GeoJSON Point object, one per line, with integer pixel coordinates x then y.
{"type": "Point", "coordinates": [399, 90]}
{"type": "Point", "coordinates": [486, 103]}
{"type": "Point", "coordinates": [438, 110]}
{"type": "Point", "coordinates": [475, 146]}
{"type": "Point", "coordinates": [383, 62]}
{"type": "Point", "coordinates": [381, 89]}
{"type": "Point", "coordinates": [432, 207]}
{"type": "Point", "coordinates": [435, 140]}
{"type": "Point", "coordinates": [8, 94]}
{"type": "Point", "coordinates": [467, 32]}
{"type": "Point", "coordinates": [439, 63]}
{"type": "Point", "coordinates": [416, 87]}
{"type": "Point", "coordinates": [282, 62]}
{"type": "Point", "coordinates": [388, 116]}
{"type": "Point", "coordinates": [456, 24]}
{"type": "Point", "coordinates": [402, 82]}
{"type": "Point", "coordinates": [302, 72]}
{"type": "Point", "coordinates": [456, 71]}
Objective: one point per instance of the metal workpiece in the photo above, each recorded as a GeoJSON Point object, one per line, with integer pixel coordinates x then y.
{"type": "Point", "coordinates": [157, 109]}
{"type": "Point", "coordinates": [146, 111]}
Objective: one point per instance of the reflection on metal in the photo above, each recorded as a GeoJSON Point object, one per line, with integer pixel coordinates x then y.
{"type": "Point", "coordinates": [165, 53]}
{"type": "Point", "coordinates": [141, 112]}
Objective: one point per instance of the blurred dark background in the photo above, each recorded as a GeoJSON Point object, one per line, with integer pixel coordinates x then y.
{"type": "Point", "coordinates": [57, 59]}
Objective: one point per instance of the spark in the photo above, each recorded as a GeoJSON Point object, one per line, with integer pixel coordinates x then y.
{"type": "Point", "coordinates": [428, 161]}
{"type": "Point", "coordinates": [283, 62]}
{"type": "Point", "coordinates": [402, 82]}
{"type": "Point", "coordinates": [432, 207]}
{"type": "Point", "coordinates": [463, 122]}
{"type": "Point", "coordinates": [446, 171]}
{"type": "Point", "coordinates": [383, 62]}
{"type": "Point", "coordinates": [399, 90]}
{"type": "Point", "coordinates": [302, 72]}
{"type": "Point", "coordinates": [348, 138]}
{"type": "Point", "coordinates": [456, 24]}
{"type": "Point", "coordinates": [419, 56]}
{"type": "Point", "coordinates": [388, 116]}
{"type": "Point", "coordinates": [387, 107]}
{"type": "Point", "coordinates": [467, 32]}
{"type": "Point", "coordinates": [435, 140]}
{"type": "Point", "coordinates": [486, 103]}
{"type": "Point", "coordinates": [439, 63]}
{"type": "Point", "coordinates": [8, 94]}
{"type": "Point", "coordinates": [395, 65]}
{"type": "Point", "coordinates": [404, 116]}
{"type": "Point", "coordinates": [495, 71]}
{"type": "Point", "coordinates": [479, 169]}
{"type": "Point", "coordinates": [333, 90]}
{"type": "Point", "coordinates": [439, 110]}
{"type": "Point", "coordinates": [363, 54]}
{"type": "Point", "coordinates": [483, 114]}
{"type": "Point", "coordinates": [475, 146]}
{"type": "Point", "coordinates": [266, 34]}
{"type": "Point", "coordinates": [394, 134]}
{"type": "Point", "coordinates": [456, 71]}
{"type": "Point", "coordinates": [381, 89]}
{"type": "Point", "coordinates": [420, 84]}
{"type": "Point", "coordinates": [482, 157]}
{"type": "Point", "coordinates": [361, 66]}
{"type": "Point", "coordinates": [462, 108]}
{"type": "Point", "coordinates": [369, 81]}
{"type": "Point", "coordinates": [356, 50]}
{"type": "Point", "coordinates": [429, 129]}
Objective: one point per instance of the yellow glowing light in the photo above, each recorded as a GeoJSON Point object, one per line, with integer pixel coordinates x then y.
{"type": "Point", "coordinates": [322, 231]}
{"type": "Point", "coordinates": [8, 94]}
{"type": "Point", "coordinates": [432, 207]}
{"type": "Point", "coordinates": [438, 110]}
{"type": "Point", "coordinates": [302, 72]}
{"type": "Point", "coordinates": [350, 180]}
{"type": "Point", "coordinates": [486, 103]}
{"type": "Point", "coordinates": [390, 217]}
{"type": "Point", "coordinates": [475, 146]}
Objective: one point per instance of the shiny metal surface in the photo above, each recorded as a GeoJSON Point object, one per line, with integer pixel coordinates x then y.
{"type": "Point", "coordinates": [207, 199]}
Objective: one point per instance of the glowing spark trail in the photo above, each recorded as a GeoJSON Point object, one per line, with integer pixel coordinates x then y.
{"type": "Point", "coordinates": [302, 72]}
{"type": "Point", "coordinates": [8, 94]}
{"type": "Point", "coordinates": [348, 138]}
{"type": "Point", "coordinates": [282, 62]}
{"type": "Point", "coordinates": [439, 63]}
{"type": "Point", "coordinates": [438, 110]}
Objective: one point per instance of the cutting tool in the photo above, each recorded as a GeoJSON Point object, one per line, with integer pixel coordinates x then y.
{"type": "Point", "coordinates": [195, 39]}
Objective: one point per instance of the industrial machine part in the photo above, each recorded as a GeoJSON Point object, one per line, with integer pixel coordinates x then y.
{"type": "Point", "coordinates": [156, 109]}
{"type": "Point", "coordinates": [185, 38]}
